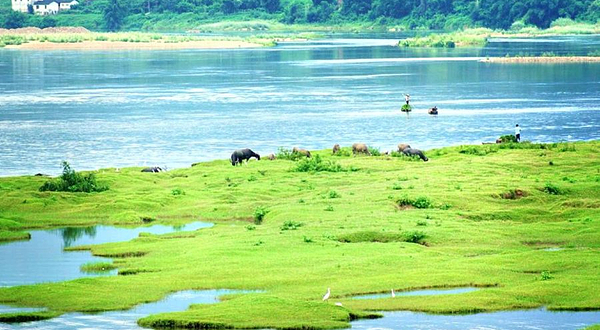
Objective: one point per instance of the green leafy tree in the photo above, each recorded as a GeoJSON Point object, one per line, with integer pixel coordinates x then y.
{"type": "Point", "coordinates": [14, 20]}
{"type": "Point", "coordinates": [113, 15]}
{"type": "Point", "coordinates": [295, 13]}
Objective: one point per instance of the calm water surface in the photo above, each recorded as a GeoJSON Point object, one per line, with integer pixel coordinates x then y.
{"type": "Point", "coordinates": [125, 320]}
{"type": "Point", "coordinates": [539, 319]}
{"type": "Point", "coordinates": [43, 259]}
{"type": "Point", "coordinates": [125, 108]}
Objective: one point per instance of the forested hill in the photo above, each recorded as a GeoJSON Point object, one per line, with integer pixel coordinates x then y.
{"type": "Point", "coordinates": [429, 14]}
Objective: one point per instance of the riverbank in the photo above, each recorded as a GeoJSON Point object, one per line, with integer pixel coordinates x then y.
{"type": "Point", "coordinates": [124, 45]}
{"type": "Point", "coordinates": [543, 59]}
{"type": "Point", "coordinates": [518, 220]}
{"type": "Point", "coordinates": [81, 39]}
{"type": "Point", "coordinates": [478, 37]}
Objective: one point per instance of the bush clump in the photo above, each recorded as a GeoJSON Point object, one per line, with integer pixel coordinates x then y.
{"type": "Point", "coordinates": [552, 189]}
{"type": "Point", "coordinates": [72, 181]}
{"type": "Point", "coordinates": [508, 138]}
{"type": "Point", "coordinates": [416, 236]}
{"type": "Point", "coordinates": [259, 214]}
{"type": "Point", "coordinates": [317, 164]}
{"type": "Point", "coordinates": [291, 225]}
{"type": "Point", "coordinates": [288, 154]}
{"type": "Point", "coordinates": [419, 202]}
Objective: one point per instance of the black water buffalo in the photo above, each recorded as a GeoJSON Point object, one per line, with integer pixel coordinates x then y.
{"type": "Point", "coordinates": [243, 154]}
{"type": "Point", "coordinates": [154, 169]}
{"type": "Point", "coordinates": [415, 152]}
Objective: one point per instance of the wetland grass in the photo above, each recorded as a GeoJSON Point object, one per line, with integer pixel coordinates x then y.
{"type": "Point", "coordinates": [473, 236]}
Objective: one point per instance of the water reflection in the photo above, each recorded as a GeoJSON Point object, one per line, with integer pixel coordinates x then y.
{"type": "Point", "coordinates": [71, 234]}
{"type": "Point", "coordinates": [43, 259]}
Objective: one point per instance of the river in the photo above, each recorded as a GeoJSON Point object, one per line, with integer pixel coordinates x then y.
{"type": "Point", "coordinates": [101, 109]}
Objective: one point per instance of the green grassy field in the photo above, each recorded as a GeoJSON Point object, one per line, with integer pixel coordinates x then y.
{"type": "Point", "coordinates": [472, 216]}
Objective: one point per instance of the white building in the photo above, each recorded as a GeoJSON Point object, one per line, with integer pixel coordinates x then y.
{"type": "Point", "coordinates": [43, 7]}
{"type": "Point", "coordinates": [21, 5]}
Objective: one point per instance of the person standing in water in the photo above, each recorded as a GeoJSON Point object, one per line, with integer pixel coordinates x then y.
{"type": "Point", "coordinates": [407, 98]}
{"type": "Point", "coordinates": [518, 133]}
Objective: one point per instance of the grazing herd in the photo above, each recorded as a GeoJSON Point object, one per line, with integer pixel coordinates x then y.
{"type": "Point", "coordinates": [357, 148]}
{"type": "Point", "coordinates": [238, 156]}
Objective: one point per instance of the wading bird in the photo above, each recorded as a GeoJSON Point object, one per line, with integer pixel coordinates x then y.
{"type": "Point", "coordinates": [326, 296]}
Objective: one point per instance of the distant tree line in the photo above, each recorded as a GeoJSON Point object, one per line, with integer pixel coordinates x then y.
{"type": "Point", "coordinates": [432, 14]}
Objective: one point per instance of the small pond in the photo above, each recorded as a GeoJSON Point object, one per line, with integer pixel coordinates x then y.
{"type": "Point", "coordinates": [43, 259]}
{"type": "Point", "coordinates": [536, 319]}
{"type": "Point", "coordinates": [121, 320]}
{"type": "Point", "coordinates": [429, 292]}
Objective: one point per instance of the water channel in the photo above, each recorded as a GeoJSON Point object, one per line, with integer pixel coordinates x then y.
{"type": "Point", "coordinates": [43, 259]}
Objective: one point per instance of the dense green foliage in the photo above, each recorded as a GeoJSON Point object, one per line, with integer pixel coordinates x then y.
{"type": "Point", "coordinates": [429, 14]}
{"type": "Point", "coordinates": [72, 181]}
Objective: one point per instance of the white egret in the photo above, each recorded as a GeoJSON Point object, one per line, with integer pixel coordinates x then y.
{"type": "Point", "coordinates": [393, 294]}
{"type": "Point", "coordinates": [326, 296]}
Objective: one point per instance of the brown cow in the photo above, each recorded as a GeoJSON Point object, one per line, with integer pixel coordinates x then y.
{"type": "Point", "coordinates": [336, 149]}
{"type": "Point", "coordinates": [301, 151]}
{"type": "Point", "coordinates": [360, 148]}
{"type": "Point", "coordinates": [403, 146]}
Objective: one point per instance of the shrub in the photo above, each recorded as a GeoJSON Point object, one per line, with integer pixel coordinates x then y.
{"type": "Point", "coordinates": [329, 208]}
{"type": "Point", "coordinates": [259, 214]}
{"type": "Point", "coordinates": [307, 239]}
{"type": "Point", "coordinates": [508, 138]}
{"type": "Point", "coordinates": [546, 276]}
{"type": "Point", "coordinates": [291, 225]}
{"type": "Point", "coordinates": [71, 181]}
{"type": "Point", "coordinates": [283, 153]}
{"type": "Point", "coordinates": [421, 223]}
{"type": "Point", "coordinates": [316, 164]}
{"type": "Point", "coordinates": [397, 186]}
{"type": "Point", "coordinates": [344, 152]}
{"type": "Point", "coordinates": [552, 189]}
{"type": "Point", "coordinates": [420, 202]}
{"type": "Point", "coordinates": [177, 192]}
{"type": "Point", "coordinates": [374, 151]}
{"type": "Point", "coordinates": [333, 194]}
{"type": "Point", "coordinates": [415, 237]}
